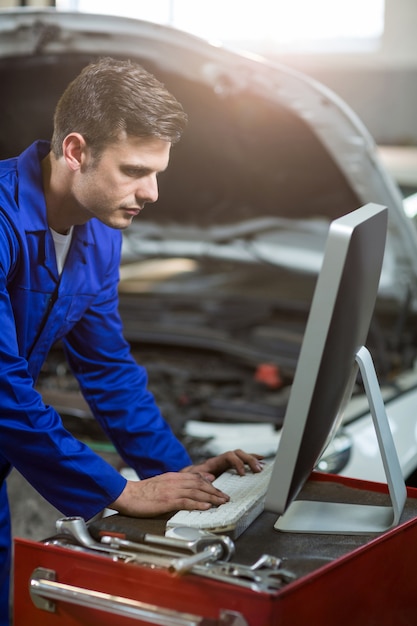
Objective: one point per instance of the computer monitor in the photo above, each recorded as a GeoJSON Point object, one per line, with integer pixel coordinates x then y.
{"type": "Point", "coordinates": [333, 349]}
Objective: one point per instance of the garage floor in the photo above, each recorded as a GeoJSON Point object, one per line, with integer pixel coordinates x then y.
{"type": "Point", "coordinates": [32, 516]}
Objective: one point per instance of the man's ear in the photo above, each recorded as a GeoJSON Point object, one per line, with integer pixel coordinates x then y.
{"type": "Point", "coordinates": [74, 148]}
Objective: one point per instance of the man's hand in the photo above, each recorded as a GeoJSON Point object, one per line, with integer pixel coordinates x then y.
{"type": "Point", "coordinates": [189, 489]}
{"type": "Point", "coordinates": [236, 459]}
{"type": "Point", "coordinates": [168, 492]}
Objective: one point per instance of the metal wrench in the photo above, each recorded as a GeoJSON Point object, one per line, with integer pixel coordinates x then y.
{"type": "Point", "coordinates": [77, 529]}
{"type": "Point", "coordinates": [206, 563]}
{"type": "Point", "coordinates": [208, 555]}
{"type": "Point", "coordinates": [200, 542]}
{"type": "Point", "coordinates": [260, 580]}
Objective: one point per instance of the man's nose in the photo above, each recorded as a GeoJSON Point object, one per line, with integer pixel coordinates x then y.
{"type": "Point", "coordinates": [147, 191]}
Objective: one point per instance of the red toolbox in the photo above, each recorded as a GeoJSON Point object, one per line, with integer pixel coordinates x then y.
{"type": "Point", "coordinates": [332, 579]}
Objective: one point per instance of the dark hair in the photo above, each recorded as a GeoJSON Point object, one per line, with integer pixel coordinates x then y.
{"type": "Point", "coordinates": [111, 96]}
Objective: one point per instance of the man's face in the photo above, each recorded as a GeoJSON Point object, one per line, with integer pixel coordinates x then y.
{"type": "Point", "coordinates": [116, 187]}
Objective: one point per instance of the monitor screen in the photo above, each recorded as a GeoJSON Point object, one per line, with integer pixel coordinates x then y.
{"type": "Point", "coordinates": [327, 368]}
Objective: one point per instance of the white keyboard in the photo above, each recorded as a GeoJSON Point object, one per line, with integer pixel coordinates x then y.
{"type": "Point", "coordinates": [247, 499]}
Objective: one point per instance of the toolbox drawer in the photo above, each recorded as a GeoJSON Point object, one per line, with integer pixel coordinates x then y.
{"type": "Point", "coordinates": [372, 583]}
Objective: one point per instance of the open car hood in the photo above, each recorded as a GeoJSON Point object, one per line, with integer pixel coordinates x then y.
{"type": "Point", "coordinates": [217, 277]}
{"type": "Point", "coordinates": [269, 158]}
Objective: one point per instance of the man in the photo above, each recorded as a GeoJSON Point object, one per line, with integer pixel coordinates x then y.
{"type": "Point", "coordinates": [62, 209]}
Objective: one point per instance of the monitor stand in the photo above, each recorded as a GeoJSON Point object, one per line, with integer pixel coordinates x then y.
{"type": "Point", "coordinates": [304, 516]}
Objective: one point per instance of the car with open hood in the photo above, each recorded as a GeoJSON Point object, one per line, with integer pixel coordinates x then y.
{"type": "Point", "coordinates": [218, 276]}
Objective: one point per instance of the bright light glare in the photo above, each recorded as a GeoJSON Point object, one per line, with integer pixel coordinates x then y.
{"type": "Point", "coordinates": [157, 11]}
{"type": "Point", "coordinates": [299, 22]}
{"type": "Point", "coordinates": [327, 19]}
{"type": "Point", "coordinates": [281, 21]}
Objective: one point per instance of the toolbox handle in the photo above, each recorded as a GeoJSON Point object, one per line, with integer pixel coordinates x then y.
{"type": "Point", "coordinates": [44, 588]}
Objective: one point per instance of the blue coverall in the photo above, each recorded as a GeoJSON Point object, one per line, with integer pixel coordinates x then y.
{"type": "Point", "coordinates": [37, 308]}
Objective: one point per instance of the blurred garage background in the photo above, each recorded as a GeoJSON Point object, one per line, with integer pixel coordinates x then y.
{"type": "Point", "coordinates": [363, 50]}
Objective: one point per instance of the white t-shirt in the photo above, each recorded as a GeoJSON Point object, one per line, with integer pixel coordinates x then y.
{"type": "Point", "coordinates": [62, 244]}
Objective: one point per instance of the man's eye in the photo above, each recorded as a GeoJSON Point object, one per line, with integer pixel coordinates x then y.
{"type": "Point", "coordinates": [134, 172]}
